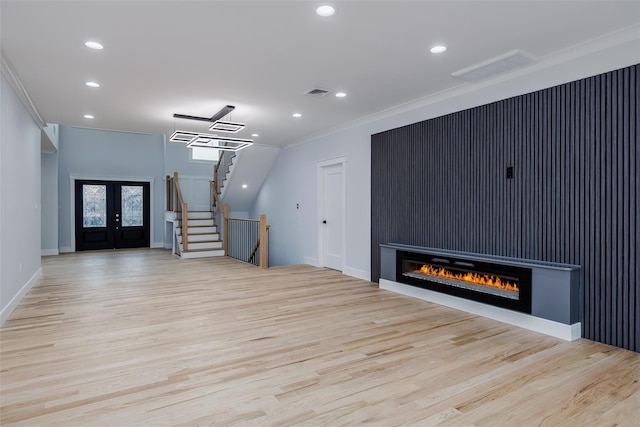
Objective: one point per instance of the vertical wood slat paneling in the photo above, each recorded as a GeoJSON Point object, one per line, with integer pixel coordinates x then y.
{"type": "Point", "coordinates": [574, 198]}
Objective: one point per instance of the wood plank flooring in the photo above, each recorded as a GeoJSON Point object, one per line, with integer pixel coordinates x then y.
{"type": "Point", "coordinates": [142, 338]}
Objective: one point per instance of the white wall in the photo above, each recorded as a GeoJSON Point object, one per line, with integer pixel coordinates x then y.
{"type": "Point", "coordinates": [293, 233]}
{"type": "Point", "coordinates": [118, 156]}
{"type": "Point", "coordinates": [19, 200]}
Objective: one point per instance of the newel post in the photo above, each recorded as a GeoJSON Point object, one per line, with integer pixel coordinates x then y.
{"type": "Point", "coordinates": [225, 229]}
{"type": "Point", "coordinates": [175, 193]}
{"type": "Point", "coordinates": [185, 227]}
{"type": "Point", "coordinates": [263, 241]}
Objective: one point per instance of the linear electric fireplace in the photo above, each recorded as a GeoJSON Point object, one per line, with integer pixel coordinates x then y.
{"type": "Point", "coordinates": [537, 295]}
{"type": "Point", "coordinates": [490, 283]}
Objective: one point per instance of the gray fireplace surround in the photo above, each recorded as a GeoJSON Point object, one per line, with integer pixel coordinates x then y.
{"type": "Point", "coordinates": [556, 292]}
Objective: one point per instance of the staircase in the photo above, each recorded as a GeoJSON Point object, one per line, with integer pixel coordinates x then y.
{"type": "Point", "coordinates": [203, 236]}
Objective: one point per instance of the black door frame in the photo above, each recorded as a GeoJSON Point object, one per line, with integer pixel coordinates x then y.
{"type": "Point", "coordinates": [148, 192]}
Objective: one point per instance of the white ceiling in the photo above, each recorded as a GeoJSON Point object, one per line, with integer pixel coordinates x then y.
{"type": "Point", "coordinates": [194, 57]}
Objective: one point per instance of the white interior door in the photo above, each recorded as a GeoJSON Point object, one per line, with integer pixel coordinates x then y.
{"type": "Point", "coordinates": [332, 216]}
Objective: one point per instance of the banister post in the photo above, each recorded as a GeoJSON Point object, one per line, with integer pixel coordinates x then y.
{"type": "Point", "coordinates": [185, 227]}
{"type": "Point", "coordinates": [175, 193]}
{"type": "Point", "coordinates": [225, 229]}
{"type": "Point", "coordinates": [263, 241]}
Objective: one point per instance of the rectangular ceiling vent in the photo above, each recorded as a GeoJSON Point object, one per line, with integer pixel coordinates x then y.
{"type": "Point", "coordinates": [495, 66]}
{"type": "Point", "coordinates": [316, 91]}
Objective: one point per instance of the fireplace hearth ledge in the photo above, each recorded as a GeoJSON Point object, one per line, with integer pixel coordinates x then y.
{"type": "Point", "coordinates": [532, 323]}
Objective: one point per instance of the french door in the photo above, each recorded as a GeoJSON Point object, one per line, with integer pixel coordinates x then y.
{"type": "Point", "coordinates": [111, 215]}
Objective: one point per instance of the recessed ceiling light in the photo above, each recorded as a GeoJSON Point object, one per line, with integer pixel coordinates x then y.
{"type": "Point", "coordinates": [92, 84]}
{"type": "Point", "coordinates": [325, 10]}
{"type": "Point", "coordinates": [244, 185]}
{"type": "Point", "coordinates": [88, 116]}
{"type": "Point", "coordinates": [438, 49]}
{"type": "Point", "coordinates": [255, 135]}
{"type": "Point", "coordinates": [340, 94]}
{"type": "Point", "coordinates": [296, 115]}
{"type": "Point", "coordinates": [93, 45]}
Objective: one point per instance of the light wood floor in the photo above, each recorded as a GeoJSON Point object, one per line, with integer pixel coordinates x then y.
{"type": "Point", "coordinates": [141, 338]}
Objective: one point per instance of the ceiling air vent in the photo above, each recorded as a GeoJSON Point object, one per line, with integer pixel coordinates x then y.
{"type": "Point", "coordinates": [316, 91]}
{"type": "Point", "coordinates": [495, 66]}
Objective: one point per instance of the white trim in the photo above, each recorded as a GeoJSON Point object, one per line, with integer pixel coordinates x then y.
{"type": "Point", "coordinates": [12, 78]}
{"type": "Point", "coordinates": [49, 252]}
{"type": "Point", "coordinates": [6, 312]}
{"type": "Point", "coordinates": [157, 245]}
{"type": "Point", "coordinates": [66, 250]}
{"type": "Point", "coordinates": [320, 169]}
{"type": "Point", "coordinates": [537, 324]}
{"type": "Point", "coordinates": [72, 183]}
{"type": "Point", "coordinates": [310, 261]}
{"type": "Point", "coordinates": [357, 273]}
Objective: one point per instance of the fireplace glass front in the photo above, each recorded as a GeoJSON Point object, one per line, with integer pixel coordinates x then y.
{"type": "Point", "coordinates": [501, 285]}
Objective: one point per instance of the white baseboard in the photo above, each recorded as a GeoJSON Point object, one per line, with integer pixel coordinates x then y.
{"type": "Point", "coordinates": [168, 246]}
{"type": "Point", "coordinates": [6, 312]}
{"type": "Point", "coordinates": [359, 274]}
{"type": "Point", "coordinates": [66, 250]}
{"type": "Point", "coordinates": [537, 324]}
{"type": "Point", "coordinates": [157, 245]}
{"type": "Point", "coordinates": [49, 252]}
{"type": "Point", "coordinates": [310, 261]}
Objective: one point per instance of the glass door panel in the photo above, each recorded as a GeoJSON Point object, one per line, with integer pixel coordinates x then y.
{"type": "Point", "coordinates": [132, 202]}
{"type": "Point", "coordinates": [94, 205]}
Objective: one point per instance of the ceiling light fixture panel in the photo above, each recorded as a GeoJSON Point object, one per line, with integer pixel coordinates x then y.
{"type": "Point", "coordinates": [228, 127]}
{"type": "Point", "coordinates": [183, 136]}
{"type": "Point", "coordinates": [208, 140]}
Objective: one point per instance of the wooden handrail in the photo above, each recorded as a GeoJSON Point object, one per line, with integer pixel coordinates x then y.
{"type": "Point", "coordinates": [177, 198]}
{"type": "Point", "coordinates": [178, 193]}
{"type": "Point", "coordinates": [185, 227]}
{"type": "Point", "coordinates": [216, 196]}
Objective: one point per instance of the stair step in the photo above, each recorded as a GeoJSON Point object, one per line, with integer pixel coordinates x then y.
{"type": "Point", "coordinates": [197, 215]}
{"type": "Point", "coordinates": [200, 222]}
{"type": "Point", "coordinates": [201, 237]}
{"type": "Point", "coordinates": [199, 229]}
{"type": "Point", "coordinates": [213, 244]}
{"type": "Point", "coordinates": [204, 253]}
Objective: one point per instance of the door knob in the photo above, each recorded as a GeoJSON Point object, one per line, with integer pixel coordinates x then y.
{"type": "Point", "coordinates": [324, 222]}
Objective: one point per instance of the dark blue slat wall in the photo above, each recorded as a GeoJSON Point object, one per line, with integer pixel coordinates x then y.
{"type": "Point", "coordinates": [574, 197]}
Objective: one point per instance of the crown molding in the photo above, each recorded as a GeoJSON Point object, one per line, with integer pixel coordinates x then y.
{"type": "Point", "coordinates": [7, 71]}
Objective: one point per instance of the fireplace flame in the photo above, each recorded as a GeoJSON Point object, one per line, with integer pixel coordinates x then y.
{"type": "Point", "coordinates": [469, 277]}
